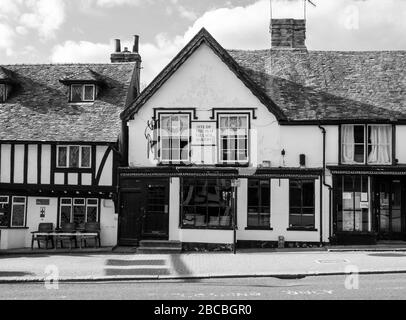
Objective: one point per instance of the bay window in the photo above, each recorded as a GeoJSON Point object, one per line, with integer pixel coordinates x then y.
{"type": "Point", "coordinates": [233, 135]}
{"type": "Point", "coordinates": [366, 144]}
{"type": "Point", "coordinates": [174, 138]}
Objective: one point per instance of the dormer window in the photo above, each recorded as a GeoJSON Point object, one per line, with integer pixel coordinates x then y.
{"type": "Point", "coordinates": [3, 93]}
{"type": "Point", "coordinates": [82, 93]}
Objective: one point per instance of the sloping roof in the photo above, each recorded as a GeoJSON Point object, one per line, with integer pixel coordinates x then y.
{"type": "Point", "coordinates": [330, 85]}
{"type": "Point", "coordinates": [202, 37]}
{"type": "Point", "coordinates": [85, 75]}
{"type": "Point", "coordinates": [38, 108]}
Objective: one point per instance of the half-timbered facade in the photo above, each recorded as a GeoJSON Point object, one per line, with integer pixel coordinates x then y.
{"type": "Point", "coordinates": [267, 146]}
{"type": "Point", "coordinates": [59, 150]}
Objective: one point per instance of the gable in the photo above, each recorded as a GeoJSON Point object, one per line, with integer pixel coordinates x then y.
{"type": "Point", "coordinates": [203, 82]}
{"type": "Point", "coordinates": [203, 38]}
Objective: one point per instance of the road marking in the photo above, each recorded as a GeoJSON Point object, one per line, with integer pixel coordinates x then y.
{"type": "Point", "coordinates": [332, 261]}
{"type": "Point", "coordinates": [308, 292]}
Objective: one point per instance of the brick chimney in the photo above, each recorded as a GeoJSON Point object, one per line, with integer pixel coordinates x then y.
{"type": "Point", "coordinates": [126, 55]}
{"type": "Point", "coordinates": [288, 33]}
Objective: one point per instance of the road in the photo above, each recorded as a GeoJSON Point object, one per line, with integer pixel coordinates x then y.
{"type": "Point", "coordinates": [391, 286]}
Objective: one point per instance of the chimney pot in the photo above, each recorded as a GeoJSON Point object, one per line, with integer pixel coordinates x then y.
{"type": "Point", "coordinates": [136, 43]}
{"type": "Point", "coordinates": [118, 45]}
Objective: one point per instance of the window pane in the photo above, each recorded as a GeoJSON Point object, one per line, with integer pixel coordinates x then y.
{"type": "Point", "coordinates": [359, 153]}
{"type": "Point", "coordinates": [359, 134]}
{"type": "Point", "coordinates": [62, 157]}
{"type": "Point", "coordinates": [89, 93]}
{"type": "Point", "coordinates": [65, 214]}
{"type": "Point", "coordinates": [2, 93]}
{"type": "Point", "coordinates": [91, 214]}
{"type": "Point", "coordinates": [74, 157]}
{"type": "Point", "coordinates": [4, 212]}
{"type": "Point", "coordinates": [86, 151]}
{"type": "Point", "coordinates": [295, 198]}
{"type": "Point", "coordinates": [18, 215]}
{"type": "Point", "coordinates": [92, 202]}
{"type": "Point", "coordinates": [79, 214]}
{"type": "Point", "coordinates": [66, 201]}
{"type": "Point", "coordinates": [253, 199]}
{"type": "Point", "coordinates": [308, 194]}
{"type": "Point", "coordinates": [76, 93]}
{"type": "Point", "coordinates": [265, 193]}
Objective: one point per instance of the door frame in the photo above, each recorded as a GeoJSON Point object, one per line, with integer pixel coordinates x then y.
{"type": "Point", "coordinates": [376, 207]}
{"type": "Point", "coordinates": [140, 185]}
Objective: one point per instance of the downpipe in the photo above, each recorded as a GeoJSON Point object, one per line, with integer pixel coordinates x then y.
{"type": "Point", "coordinates": [330, 189]}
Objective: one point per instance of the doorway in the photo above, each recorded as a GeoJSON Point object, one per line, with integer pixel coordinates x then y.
{"type": "Point", "coordinates": [144, 212]}
{"type": "Point", "coordinates": [390, 208]}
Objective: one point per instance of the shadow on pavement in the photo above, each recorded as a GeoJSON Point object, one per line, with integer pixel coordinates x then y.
{"type": "Point", "coordinates": [15, 274]}
{"type": "Point", "coordinates": [181, 269]}
{"type": "Point", "coordinates": [388, 255]}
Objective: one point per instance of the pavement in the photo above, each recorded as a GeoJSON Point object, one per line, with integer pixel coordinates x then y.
{"type": "Point", "coordinates": [83, 267]}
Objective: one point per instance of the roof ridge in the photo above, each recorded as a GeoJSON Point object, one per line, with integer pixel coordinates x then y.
{"type": "Point", "coordinates": [66, 64]}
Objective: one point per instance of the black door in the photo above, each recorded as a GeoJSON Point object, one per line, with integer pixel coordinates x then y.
{"type": "Point", "coordinates": [390, 208]}
{"type": "Point", "coordinates": [156, 211]}
{"type": "Point", "coordinates": [144, 212]}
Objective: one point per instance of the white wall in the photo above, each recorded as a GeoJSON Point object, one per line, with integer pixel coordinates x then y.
{"type": "Point", "coordinates": [108, 223]}
{"type": "Point", "coordinates": [400, 144]}
{"type": "Point", "coordinates": [12, 239]}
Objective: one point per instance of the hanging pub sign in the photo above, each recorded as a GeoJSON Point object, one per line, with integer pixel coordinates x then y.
{"type": "Point", "coordinates": [204, 141]}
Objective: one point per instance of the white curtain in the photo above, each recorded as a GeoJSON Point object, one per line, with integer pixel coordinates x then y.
{"type": "Point", "coordinates": [348, 144]}
{"type": "Point", "coordinates": [380, 142]}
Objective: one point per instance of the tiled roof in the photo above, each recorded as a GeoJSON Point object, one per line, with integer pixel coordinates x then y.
{"type": "Point", "coordinates": [5, 76]}
{"type": "Point", "coordinates": [38, 108]}
{"type": "Point", "coordinates": [82, 75]}
{"type": "Point", "coordinates": [329, 85]}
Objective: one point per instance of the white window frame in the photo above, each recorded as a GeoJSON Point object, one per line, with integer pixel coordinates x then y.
{"type": "Point", "coordinates": [366, 143]}
{"type": "Point", "coordinates": [12, 211]}
{"type": "Point", "coordinates": [72, 204]}
{"type": "Point", "coordinates": [65, 205]}
{"type": "Point", "coordinates": [167, 161]}
{"type": "Point", "coordinates": [93, 206]}
{"type": "Point", "coordinates": [83, 92]}
{"type": "Point", "coordinates": [68, 155]}
{"type": "Point", "coordinates": [219, 140]}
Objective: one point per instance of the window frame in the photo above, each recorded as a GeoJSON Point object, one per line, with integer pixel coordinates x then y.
{"type": "Point", "coordinates": [12, 211]}
{"type": "Point", "coordinates": [73, 204]}
{"type": "Point", "coordinates": [366, 144]}
{"type": "Point", "coordinates": [220, 154]}
{"type": "Point", "coordinates": [260, 205]}
{"type": "Point", "coordinates": [8, 213]}
{"type": "Point", "coordinates": [207, 225]}
{"type": "Point", "coordinates": [68, 147]}
{"type": "Point", "coordinates": [160, 136]}
{"type": "Point", "coordinates": [302, 207]}
{"type": "Point", "coordinates": [83, 86]}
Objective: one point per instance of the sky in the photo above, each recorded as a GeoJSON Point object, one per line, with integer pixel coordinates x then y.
{"type": "Point", "coordinates": [64, 31]}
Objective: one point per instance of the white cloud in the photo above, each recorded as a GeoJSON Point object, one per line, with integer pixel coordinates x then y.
{"type": "Point", "coordinates": [6, 37]}
{"type": "Point", "coordinates": [81, 52]}
{"type": "Point", "coordinates": [46, 16]}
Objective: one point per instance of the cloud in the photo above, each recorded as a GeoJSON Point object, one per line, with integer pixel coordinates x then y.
{"type": "Point", "coordinates": [46, 16]}
{"type": "Point", "coordinates": [81, 52]}
{"type": "Point", "coordinates": [6, 38]}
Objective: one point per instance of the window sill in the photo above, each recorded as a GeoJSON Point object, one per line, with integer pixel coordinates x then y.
{"type": "Point", "coordinates": [14, 228]}
{"type": "Point", "coordinates": [302, 229]}
{"type": "Point", "coordinates": [259, 228]}
{"type": "Point", "coordinates": [207, 228]}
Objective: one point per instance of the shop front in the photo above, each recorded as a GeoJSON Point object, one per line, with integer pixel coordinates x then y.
{"type": "Point", "coordinates": [369, 208]}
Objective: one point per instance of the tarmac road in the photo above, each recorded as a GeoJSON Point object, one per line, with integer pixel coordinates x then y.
{"type": "Point", "coordinates": [381, 287]}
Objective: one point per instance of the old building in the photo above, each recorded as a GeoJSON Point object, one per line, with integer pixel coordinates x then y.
{"type": "Point", "coordinates": [59, 151]}
{"type": "Point", "coordinates": [279, 144]}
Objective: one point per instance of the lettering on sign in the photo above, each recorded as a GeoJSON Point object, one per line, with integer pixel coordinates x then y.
{"type": "Point", "coordinates": [204, 133]}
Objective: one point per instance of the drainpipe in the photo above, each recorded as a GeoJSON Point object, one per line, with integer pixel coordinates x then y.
{"type": "Point", "coordinates": [330, 188]}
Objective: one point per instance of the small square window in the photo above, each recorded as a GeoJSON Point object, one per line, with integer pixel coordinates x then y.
{"type": "Point", "coordinates": [82, 93]}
